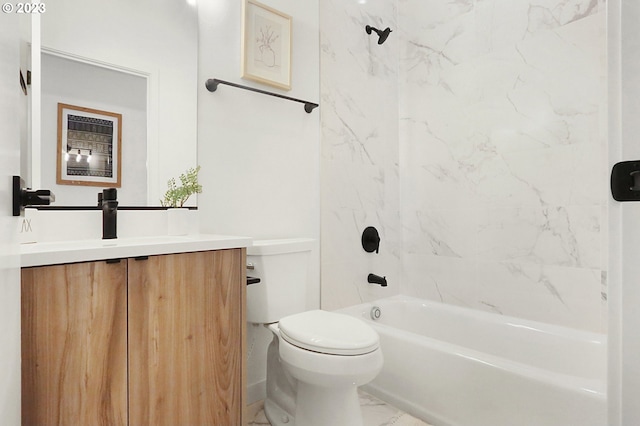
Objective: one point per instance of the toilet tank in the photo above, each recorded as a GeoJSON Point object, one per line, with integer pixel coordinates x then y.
{"type": "Point", "coordinates": [283, 268]}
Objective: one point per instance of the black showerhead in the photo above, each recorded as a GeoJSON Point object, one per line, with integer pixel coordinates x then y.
{"type": "Point", "coordinates": [382, 35]}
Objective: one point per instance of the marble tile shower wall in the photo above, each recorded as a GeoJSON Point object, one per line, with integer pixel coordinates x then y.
{"type": "Point", "coordinates": [360, 150]}
{"type": "Point", "coordinates": [503, 156]}
{"type": "Point", "coordinates": [474, 139]}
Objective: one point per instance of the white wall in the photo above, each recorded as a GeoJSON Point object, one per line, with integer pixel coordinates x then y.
{"type": "Point", "coordinates": [9, 257]}
{"type": "Point", "coordinates": [157, 37]}
{"type": "Point", "coordinates": [86, 85]}
{"type": "Point", "coordinates": [259, 154]}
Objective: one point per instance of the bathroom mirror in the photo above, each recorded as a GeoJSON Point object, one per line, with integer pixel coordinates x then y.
{"type": "Point", "coordinates": [138, 59]}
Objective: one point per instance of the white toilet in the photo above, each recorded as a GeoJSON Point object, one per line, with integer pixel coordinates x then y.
{"type": "Point", "coordinates": [317, 359]}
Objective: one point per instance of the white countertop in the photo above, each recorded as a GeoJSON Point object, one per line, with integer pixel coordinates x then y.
{"type": "Point", "coordinates": [52, 253]}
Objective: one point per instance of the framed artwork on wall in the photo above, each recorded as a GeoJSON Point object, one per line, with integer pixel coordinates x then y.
{"type": "Point", "coordinates": [266, 45]}
{"type": "Point", "coordinates": [89, 147]}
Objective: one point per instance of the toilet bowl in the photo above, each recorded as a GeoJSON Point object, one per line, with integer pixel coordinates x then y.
{"type": "Point", "coordinates": [317, 359]}
{"type": "Point", "coordinates": [327, 356]}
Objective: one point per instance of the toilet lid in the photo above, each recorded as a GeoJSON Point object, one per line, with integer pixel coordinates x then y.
{"type": "Point", "coordinates": [329, 333]}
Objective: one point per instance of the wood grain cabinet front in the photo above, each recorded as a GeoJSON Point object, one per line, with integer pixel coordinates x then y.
{"type": "Point", "coordinates": [158, 340]}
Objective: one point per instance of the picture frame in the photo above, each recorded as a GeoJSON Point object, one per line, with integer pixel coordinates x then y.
{"type": "Point", "coordinates": [266, 45]}
{"type": "Point", "coordinates": [89, 149]}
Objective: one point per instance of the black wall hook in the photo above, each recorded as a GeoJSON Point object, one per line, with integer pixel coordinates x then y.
{"type": "Point", "coordinates": [370, 239]}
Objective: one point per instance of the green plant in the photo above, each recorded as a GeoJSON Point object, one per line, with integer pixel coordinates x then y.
{"type": "Point", "coordinates": [176, 196]}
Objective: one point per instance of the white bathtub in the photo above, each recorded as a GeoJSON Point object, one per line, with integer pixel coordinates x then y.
{"type": "Point", "coordinates": [462, 367]}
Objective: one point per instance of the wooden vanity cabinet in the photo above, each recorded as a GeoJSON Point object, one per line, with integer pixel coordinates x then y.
{"type": "Point", "coordinates": [158, 340]}
{"type": "Point", "coordinates": [186, 344]}
{"type": "Point", "coordinates": [74, 344]}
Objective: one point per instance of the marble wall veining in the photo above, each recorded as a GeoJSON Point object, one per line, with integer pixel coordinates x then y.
{"type": "Point", "coordinates": [488, 180]}
{"type": "Point", "coordinates": [360, 151]}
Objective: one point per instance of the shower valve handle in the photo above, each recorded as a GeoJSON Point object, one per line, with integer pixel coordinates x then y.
{"type": "Point", "coordinates": [370, 240]}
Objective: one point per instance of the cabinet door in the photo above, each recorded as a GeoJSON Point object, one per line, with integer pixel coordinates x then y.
{"type": "Point", "coordinates": [186, 339]}
{"type": "Point", "coordinates": [74, 344]}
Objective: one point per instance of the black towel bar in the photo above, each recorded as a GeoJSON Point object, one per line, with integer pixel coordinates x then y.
{"type": "Point", "coordinates": [212, 86]}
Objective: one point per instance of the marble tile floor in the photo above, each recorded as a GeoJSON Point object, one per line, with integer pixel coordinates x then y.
{"type": "Point", "coordinates": [374, 413]}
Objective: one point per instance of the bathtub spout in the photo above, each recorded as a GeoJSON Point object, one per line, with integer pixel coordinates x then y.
{"type": "Point", "coordinates": [376, 279]}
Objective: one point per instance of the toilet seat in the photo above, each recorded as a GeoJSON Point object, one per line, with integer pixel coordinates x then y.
{"type": "Point", "coordinates": [329, 333]}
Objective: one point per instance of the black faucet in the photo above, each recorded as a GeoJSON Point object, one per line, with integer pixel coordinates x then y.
{"type": "Point", "coordinates": [109, 206]}
{"type": "Point", "coordinates": [377, 279]}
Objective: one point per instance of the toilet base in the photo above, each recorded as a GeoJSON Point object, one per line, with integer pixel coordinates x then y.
{"type": "Point", "coordinates": [320, 406]}
{"type": "Point", "coordinates": [317, 406]}
{"type": "Point", "coordinates": [276, 415]}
